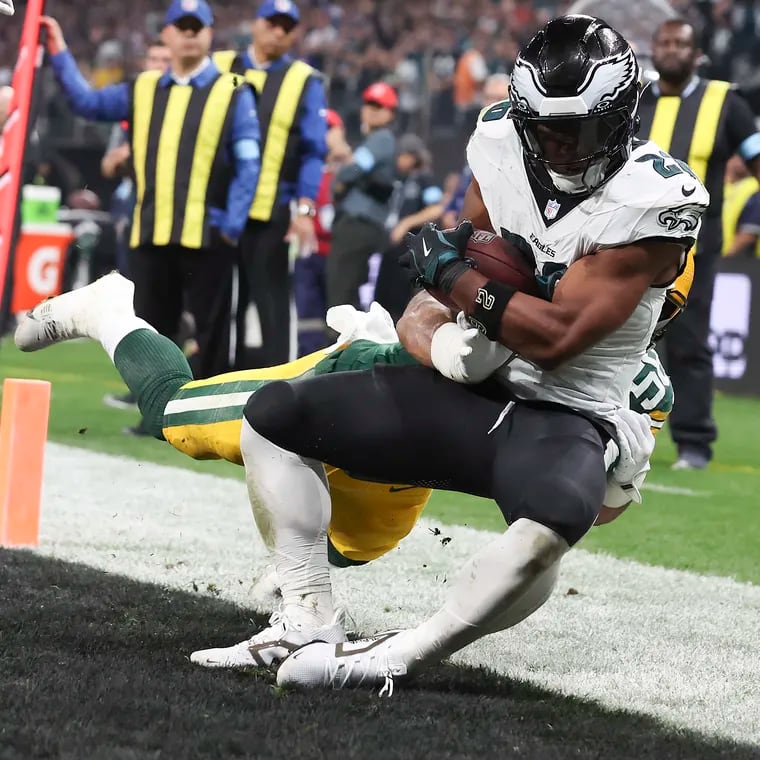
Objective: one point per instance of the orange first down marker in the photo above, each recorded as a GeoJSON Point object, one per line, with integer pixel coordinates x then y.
{"type": "Point", "coordinates": [23, 432]}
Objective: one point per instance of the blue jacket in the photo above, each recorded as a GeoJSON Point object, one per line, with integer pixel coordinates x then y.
{"type": "Point", "coordinates": [313, 130]}
{"type": "Point", "coordinates": [112, 103]}
{"type": "Point", "coordinates": [457, 199]}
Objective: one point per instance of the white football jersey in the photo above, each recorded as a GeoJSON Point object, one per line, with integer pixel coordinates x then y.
{"type": "Point", "coordinates": [652, 196]}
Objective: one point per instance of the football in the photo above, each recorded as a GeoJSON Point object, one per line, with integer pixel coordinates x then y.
{"type": "Point", "coordinates": [498, 260]}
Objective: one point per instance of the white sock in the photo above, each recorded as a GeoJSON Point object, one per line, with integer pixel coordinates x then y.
{"type": "Point", "coordinates": [534, 597]}
{"type": "Point", "coordinates": [290, 499]}
{"type": "Point", "coordinates": [501, 585]}
{"type": "Point", "coordinates": [116, 328]}
{"type": "Point", "coordinates": [115, 318]}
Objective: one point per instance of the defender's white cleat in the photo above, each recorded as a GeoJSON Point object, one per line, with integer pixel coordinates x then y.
{"type": "Point", "coordinates": [366, 662]}
{"type": "Point", "coordinates": [270, 646]}
{"type": "Point", "coordinates": [76, 314]}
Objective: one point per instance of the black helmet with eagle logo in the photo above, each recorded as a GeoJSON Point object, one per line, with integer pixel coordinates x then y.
{"type": "Point", "coordinates": [574, 95]}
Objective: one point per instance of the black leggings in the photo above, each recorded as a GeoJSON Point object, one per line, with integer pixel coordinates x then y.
{"type": "Point", "coordinates": [411, 425]}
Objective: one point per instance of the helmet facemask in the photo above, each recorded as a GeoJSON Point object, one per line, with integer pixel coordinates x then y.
{"type": "Point", "coordinates": [576, 154]}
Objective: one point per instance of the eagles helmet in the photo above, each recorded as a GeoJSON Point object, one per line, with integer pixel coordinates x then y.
{"type": "Point", "coordinates": [574, 95]}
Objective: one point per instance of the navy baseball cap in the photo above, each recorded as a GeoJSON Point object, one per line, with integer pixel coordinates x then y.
{"type": "Point", "coordinates": [271, 8]}
{"type": "Point", "coordinates": [197, 9]}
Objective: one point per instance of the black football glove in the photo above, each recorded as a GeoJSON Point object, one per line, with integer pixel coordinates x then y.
{"type": "Point", "coordinates": [434, 258]}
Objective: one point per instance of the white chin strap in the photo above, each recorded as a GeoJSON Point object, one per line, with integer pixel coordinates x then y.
{"type": "Point", "coordinates": [574, 183]}
{"type": "Point", "coordinates": [567, 183]}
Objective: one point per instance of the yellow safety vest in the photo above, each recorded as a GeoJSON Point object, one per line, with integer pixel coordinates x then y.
{"type": "Point", "coordinates": [279, 96]}
{"type": "Point", "coordinates": [735, 197]}
{"type": "Point", "coordinates": [687, 127]}
{"type": "Point", "coordinates": [178, 136]}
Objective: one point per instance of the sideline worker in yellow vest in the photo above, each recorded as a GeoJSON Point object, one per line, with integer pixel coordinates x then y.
{"type": "Point", "coordinates": [194, 138]}
{"type": "Point", "coordinates": [703, 123]}
{"type": "Point", "coordinates": [741, 211]}
{"type": "Point", "coordinates": [291, 105]}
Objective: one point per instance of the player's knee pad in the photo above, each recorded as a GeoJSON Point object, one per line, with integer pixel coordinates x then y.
{"type": "Point", "coordinates": [274, 412]}
{"type": "Point", "coordinates": [567, 505]}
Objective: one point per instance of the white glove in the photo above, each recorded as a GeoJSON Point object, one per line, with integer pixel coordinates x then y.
{"type": "Point", "coordinates": [375, 325]}
{"type": "Point", "coordinates": [635, 444]}
{"type": "Point", "coordinates": [6, 7]}
{"type": "Point", "coordinates": [463, 354]}
{"type": "Point", "coordinates": [618, 496]}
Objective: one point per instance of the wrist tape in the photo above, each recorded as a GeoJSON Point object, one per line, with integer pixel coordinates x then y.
{"type": "Point", "coordinates": [451, 272]}
{"type": "Point", "coordinates": [491, 300]}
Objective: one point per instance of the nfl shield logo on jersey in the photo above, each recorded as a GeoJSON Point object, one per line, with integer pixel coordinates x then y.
{"type": "Point", "coordinates": [551, 210]}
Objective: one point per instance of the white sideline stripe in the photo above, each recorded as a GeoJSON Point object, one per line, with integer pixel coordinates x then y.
{"type": "Point", "coordinates": [665, 643]}
{"type": "Point", "coordinates": [675, 490]}
{"type": "Point", "coordinates": [202, 403]}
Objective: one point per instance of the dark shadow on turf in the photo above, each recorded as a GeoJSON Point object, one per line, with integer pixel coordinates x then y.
{"type": "Point", "coordinates": [94, 665]}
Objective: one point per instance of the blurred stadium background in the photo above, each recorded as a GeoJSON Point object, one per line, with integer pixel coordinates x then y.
{"type": "Point", "coordinates": [414, 46]}
{"type": "Point", "coordinates": [93, 664]}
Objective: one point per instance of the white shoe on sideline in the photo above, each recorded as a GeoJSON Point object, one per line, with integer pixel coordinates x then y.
{"type": "Point", "coordinates": [366, 662]}
{"type": "Point", "coordinates": [689, 463]}
{"type": "Point", "coordinates": [75, 314]}
{"type": "Point", "coordinates": [270, 646]}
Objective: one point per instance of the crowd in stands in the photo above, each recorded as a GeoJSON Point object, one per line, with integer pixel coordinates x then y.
{"type": "Point", "coordinates": [436, 53]}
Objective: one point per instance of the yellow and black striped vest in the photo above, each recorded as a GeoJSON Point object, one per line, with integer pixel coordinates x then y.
{"type": "Point", "coordinates": [735, 199]}
{"type": "Point", "coordinates": [178, 136]}
{"type": "Point", "coordinates": [279, 98]}
{"type": "Point", "coordinates": [688, 128]}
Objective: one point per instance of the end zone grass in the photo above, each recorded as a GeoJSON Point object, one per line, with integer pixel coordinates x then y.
{"type": "Point", "coordinates": [707, 522]}
{"type": "Point", "coordinates": [114, 682]}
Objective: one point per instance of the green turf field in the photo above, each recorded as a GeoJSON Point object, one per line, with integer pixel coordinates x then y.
{"type": "Point", "coordinates": [707, 522]}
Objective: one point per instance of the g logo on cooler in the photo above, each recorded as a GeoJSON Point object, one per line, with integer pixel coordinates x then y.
{"type": "Point", "coordinates": [42, 270]}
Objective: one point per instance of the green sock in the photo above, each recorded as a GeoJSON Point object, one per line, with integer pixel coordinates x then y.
{"type": "Point", "coordinates": [154, 368]}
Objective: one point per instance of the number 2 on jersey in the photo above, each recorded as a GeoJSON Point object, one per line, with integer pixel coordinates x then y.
{"type": "Point", "coordinates": [666, 170]}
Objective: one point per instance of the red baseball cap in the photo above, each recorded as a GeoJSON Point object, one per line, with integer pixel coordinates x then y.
{"type": "Point", "coordinates": [382, 94]}
{"type": "Point", "coordinates": [333, 118]}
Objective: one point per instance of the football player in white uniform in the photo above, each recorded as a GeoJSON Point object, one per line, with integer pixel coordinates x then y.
{"type": "Point", "coordinates": [558, 172]}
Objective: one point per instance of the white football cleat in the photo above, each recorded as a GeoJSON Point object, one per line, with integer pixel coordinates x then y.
{"type": "Point", "coordinates": [270, 646]}
{"type": "Point", "coordinates": [75, 314]}
{"type": "Point", "coordinates": [366, 662]}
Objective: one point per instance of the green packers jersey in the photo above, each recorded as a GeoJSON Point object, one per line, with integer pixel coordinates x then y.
{"type": "Point", "coordinates": [651, 391]}
{"type": "Point", "coordinates": [362, 355]}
